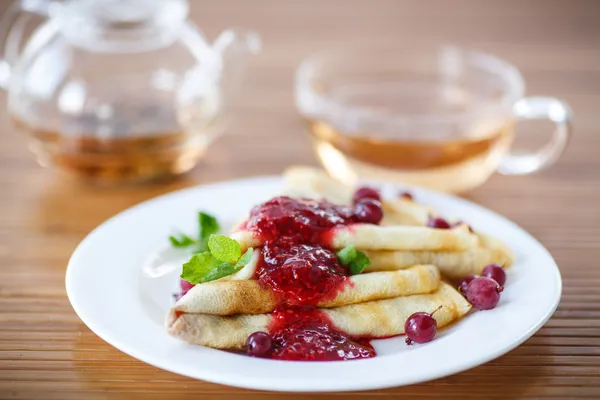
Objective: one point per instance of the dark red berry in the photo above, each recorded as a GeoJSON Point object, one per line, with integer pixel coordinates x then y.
{"type": "Point", "coordinates": [185, 286]}
{"type": "Point", "coordinates": [259, 344]}
{"type": "Point", "coordinates": [495, 272]}
{"type": "Point", "coordinates": [420, 327]}
{"type": "Point", "coordinates": [483, 293]}
{"type": "Point", "coordinates": [438, 223]}
{"type": "Point", "coordinates": [406, 195]}
{"type": "Point", "coordinates": [368, 211]}
{"type": "Point", "coordinates": [462, 286]}
{"type": "Point", "coordinates": [366, 193]}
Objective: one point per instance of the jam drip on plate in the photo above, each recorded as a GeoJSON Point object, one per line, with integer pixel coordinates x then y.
{"type": "Point", "coordinates": [297, 265]}
{"type": "Point", "coordinates": [305, 334]}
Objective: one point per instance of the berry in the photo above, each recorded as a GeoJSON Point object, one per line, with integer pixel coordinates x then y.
{"type": "Point", "coordinates": [495, 272]}
{"type": "Point", "coordinates": [259, 344]}
{"type": "Point", "coordinates": [185, 286]}
{"type": "Point", "coordinates": [483, 293]}
{"type": "Point", "coordinates": [368, 211]}
{"type": "Point", "coordinates": [438, 223]}
{"type": "Point", "coordinates": [420, 328]}
{"type": "Point", "coordinates": [366, 193]}
{"type": "Point", "coordinates": [406, 195]}
{"type": "Point", "coordinates": [462, 286]}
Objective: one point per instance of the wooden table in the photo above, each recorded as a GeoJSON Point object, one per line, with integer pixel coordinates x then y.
{"type": "Point", "coordinates": [46, 352]}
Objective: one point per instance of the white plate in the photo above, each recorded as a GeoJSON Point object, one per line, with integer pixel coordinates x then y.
{"type": "Point", "coordinates": [121, 278]}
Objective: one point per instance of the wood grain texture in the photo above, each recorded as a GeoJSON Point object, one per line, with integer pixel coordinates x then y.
{"type": "Point", "coordinates": [46, 352]}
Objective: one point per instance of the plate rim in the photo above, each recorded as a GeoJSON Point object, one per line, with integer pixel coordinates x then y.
{"type": "Point", "coordinates": [219, 379]}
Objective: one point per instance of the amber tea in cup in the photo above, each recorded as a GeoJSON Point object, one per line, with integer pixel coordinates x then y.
{"type": "Point", "coordinates": [443, 118]}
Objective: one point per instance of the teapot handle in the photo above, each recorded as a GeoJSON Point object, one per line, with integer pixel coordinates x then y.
{"type": "Point", "coordinates": [12, 28]}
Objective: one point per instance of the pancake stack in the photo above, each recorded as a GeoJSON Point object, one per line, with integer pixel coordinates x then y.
{"type": "Point", "coordinates": [409, 272]}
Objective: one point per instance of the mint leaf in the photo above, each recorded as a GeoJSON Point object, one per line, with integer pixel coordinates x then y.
{"type": "Point", "coordinates": [182, 241]}
{"type": "Point", "coordinates": [198, 267]}
{"type": "Point", "coordinates": [359, 264]}
{"type": "Point", "coordinates": [347, 254]}
{"type": "Point", "coordinates": [224, 248]}
{"type": "Point", "coordinates": [207, 225]}
{"type": "Point", "coordinates": [209, 266]}
{"type": "Point", "coordinates": [354, 259]}
{"type": "Point", "coordinates": [226, 268]}
{"type": "Point", "coordinates": [245, 259]}
{"type": "Point", "coordinates": [220, 271]}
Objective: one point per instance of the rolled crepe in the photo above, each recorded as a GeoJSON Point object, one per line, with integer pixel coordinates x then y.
{"type": "Point", "coordinates": [454, 265]}
{"type": "Point", "coordinates": [315, 183]}
{"type": "Point", "coordinates": [248, 297]}
{"type": "Point", "coordinates": [402, 211]}
{"type": "Point", "coordinates": [375, 237]}
{"type": "Point", "coordinates": [381, 318]}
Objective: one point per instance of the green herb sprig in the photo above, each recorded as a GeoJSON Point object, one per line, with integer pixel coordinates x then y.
{"type": "Point", "coordinates": [223, 258]}
{"type": "Point", "coordinates": [207, 226]}
{"type": "Point", "coordinates": [354, 259]}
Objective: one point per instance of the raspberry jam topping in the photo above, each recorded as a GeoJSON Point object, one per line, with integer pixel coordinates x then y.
{"type": "Point", "coordinates": [297, 265]}
{"type": "Point", "coordinates": [302, 220]}
{"type": "Point", "coordinates": [300, 274]}
{"type": "Point", "coordinates": [305, 334]}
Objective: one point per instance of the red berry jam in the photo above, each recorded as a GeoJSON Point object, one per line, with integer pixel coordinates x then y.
{"type": "Point", "coordinates": [302, 220]}
{"type": "Point", "coordinates": [305, 334]}
{"type": "Point", "coordinates": [300, 274]}
{"type": "Point", "coordinates": [297, 265]}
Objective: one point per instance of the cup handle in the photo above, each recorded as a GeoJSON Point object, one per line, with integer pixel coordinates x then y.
{"type": "Point", "coordinates": [537, 108]}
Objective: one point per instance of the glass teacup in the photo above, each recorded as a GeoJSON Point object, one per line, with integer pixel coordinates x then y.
{"type": "Point", "coordinates": [442, 117]}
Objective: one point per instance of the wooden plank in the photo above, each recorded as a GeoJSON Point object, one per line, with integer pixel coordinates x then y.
{"type": "Point", "coordinates": [46, 352]}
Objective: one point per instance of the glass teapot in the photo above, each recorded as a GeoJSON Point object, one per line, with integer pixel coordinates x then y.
{"type": "Point", "coordinates": [119, 90]}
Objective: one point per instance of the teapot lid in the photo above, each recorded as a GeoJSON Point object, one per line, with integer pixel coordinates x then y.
{"type": "Point", "coordinates": [120, 25]}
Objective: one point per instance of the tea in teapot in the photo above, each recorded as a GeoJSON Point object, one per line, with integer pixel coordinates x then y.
{"type": "Point", "coordinates": [120, 90]}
